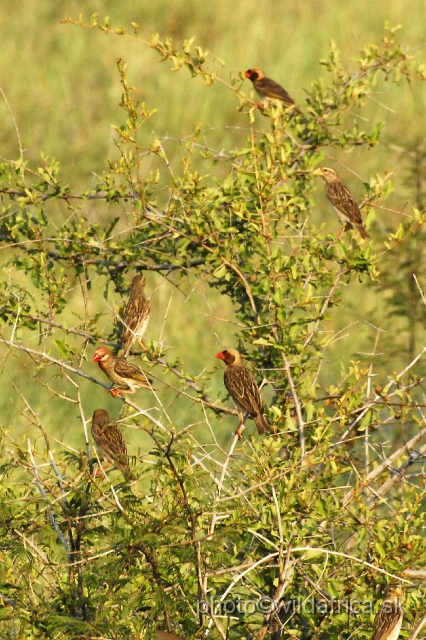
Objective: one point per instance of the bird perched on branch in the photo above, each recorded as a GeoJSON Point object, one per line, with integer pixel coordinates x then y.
{"type": "Point", "coordinates": [269, 89]}
{"type": "Point", "coordinates": [110, 442]}
{"type": "Point", "coordinates": [341, 199]}
{"type": "Point", "coordinates": [388, 621]}
{"type": "Point", "coordinates": [243, 388]}
{"type": "Point", "coordinates": [125, 375]}
{"type": "Point", "coordinates": [136, 315]}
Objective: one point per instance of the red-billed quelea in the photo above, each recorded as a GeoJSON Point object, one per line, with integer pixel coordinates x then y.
{"type": "Point", "coordinates": [136, 315]}
{"type": "Point", "coordinates": [267, 88]}
{"type": "Point", "coordinates": [388, 621]}
{"type": "Point", "coordinates": [243, 388]}
{"type": "Point", "coordinates": [110, 442]}
{"type": "Point", "coordinates": [341, 199]}
{"type": "Point", "coordinates": [126, 376]}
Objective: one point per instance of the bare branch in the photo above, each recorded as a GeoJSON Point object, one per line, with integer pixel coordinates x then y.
{"type": "Point", "coordinates": [384, 466]}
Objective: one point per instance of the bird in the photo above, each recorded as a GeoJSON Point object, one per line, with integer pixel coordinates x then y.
{"type": "Point", "coordinates": [341, 199]}
{"type": "Point", "coordinates": [127, 376]}
{"type": "Point", "coordinates": [267, 88]}
{"type": "Point", "coordinates": [110, 442]}
{"type": "Point", "coordinates": [242, 386]}
{"type": "Point", "coordinates": [388, 620]}
{"type": "Point", "coordinates": [136, 315]}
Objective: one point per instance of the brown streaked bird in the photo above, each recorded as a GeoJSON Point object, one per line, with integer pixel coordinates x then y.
{"type": "Point", "coordinates": [110, 442]}
{"type": "Point", "coordinates": [243, 388]}
{"type": "Point", "coordinates": [267, 88]}
{"type": "Point", "coordinates": [136, 315]}
{"type": "Point", "coordinates": [341, 199]}
{"type": "Point", "coordinates": [388, 621]}
{"type": "Point", "coordinates": [122, 373]}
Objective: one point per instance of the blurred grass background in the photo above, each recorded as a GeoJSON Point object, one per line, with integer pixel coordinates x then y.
{"type": "Point", "coordinates": [63, 87]}
{"type": "Point", "coordinates": [60, 89]}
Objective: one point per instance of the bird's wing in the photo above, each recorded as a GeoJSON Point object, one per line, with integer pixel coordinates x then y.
{"type": "Point", "coordinates": [110, 441]}
{"type": "Point", "coordinates": [342, 199]}
{"type": "Point", "coordinates": [137, 310]}
{"type": "Point", "coordinates": [243, 388]}
{"type": "Point", "coordinates": [387, 621]}
{"type": "Point", "coordinates": [127, 371]}
{"type": "Point", "coordinates": [271, 89]}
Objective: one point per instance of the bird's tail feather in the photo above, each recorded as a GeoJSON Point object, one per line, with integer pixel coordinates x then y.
{"type": "Point", "coordinates": [262, 424]}
{"type": "Point", "coordinates": [127, 474]}
{"type": "Point", "coordinates": [363, 232]}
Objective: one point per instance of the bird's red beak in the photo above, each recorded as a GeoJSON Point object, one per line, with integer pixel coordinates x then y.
{"type": "Point", "coordinates": [247, 74]}
{"type": "Point", "coordinates": [96, 357]}
{"type": "Point", "coordinates": [220, 356]}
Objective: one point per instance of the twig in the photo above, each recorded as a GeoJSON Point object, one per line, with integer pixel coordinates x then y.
{"type": "Point", "coordinates": [34, 547]}
{"type": "Point", "coordinates": [203, 399]}
{"type": "Point", "coordinates": [285, 570]}
{"type": "Point", "coordinates": [323, 309]}
{"type": "Point", "coordinates": [49, 510]}
{"type": "Point", "coordinates": [220, 485]}
{"type": "Point", "coordinates": [375, 473]}
{"type": "Point", "coordinates": [415, 574]}
{"type": "Point", "coordinates": [298, 407]}
{"type": "Point", "coordinates": [398, 475]}
{"type": "Point", "coordinates": [48, 358]}
{"type": "Point", "coordinates": [418, 629]}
